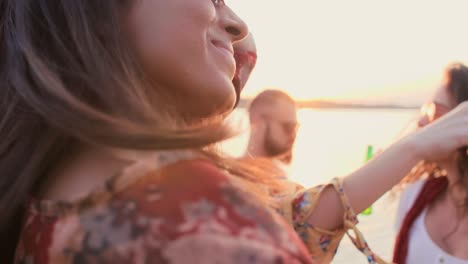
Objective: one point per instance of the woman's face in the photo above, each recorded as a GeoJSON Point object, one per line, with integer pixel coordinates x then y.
{"type": "Point", "coordinates": [186, 48]}
{"type": "Point", "coordinates": [440, 104]}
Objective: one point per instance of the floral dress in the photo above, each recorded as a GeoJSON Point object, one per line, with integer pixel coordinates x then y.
{"type": "Point", "coordinates": [175, 209]}
{"type": "Point", "coordinates": [322, 244]}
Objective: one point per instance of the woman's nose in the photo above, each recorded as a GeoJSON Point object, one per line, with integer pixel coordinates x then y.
{"type": "Point", "coordinates": [423, 121]}
{"type": "Point", "coordinates": [234, 25]}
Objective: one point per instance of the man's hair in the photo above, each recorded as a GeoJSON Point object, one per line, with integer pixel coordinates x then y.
{"type": "Point", "coordinates": [268, 98]}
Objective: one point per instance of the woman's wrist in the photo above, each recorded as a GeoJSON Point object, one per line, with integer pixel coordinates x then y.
{"type": "Point", "coordinates": [413, 148]}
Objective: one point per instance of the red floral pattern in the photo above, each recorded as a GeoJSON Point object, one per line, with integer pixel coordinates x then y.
{"type": "Point", "coordinates": [186, 212]}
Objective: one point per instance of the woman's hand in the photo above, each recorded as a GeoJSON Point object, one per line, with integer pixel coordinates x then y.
{"type": "Point", "coordinates": [442, 137]}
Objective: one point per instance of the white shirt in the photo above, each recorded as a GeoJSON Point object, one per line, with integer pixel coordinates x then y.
{"type": "Point", "coordinates": [421, 248]}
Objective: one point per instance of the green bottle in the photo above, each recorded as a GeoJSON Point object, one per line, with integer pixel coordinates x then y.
{"type": "Point", "coordinates": [369, 154]}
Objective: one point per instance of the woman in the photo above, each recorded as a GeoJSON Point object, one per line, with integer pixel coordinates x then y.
{"type": "Point", "coordinates": [109, 112]}
{"type": "Point", "coordinates": [432, 217]}
{"type": "Point", "coordinates": [90, 92]}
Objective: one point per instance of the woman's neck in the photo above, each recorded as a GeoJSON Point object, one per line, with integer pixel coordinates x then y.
{"type": "Point", "coordinates": [456, 193]}
{"type": "Point", "coordinates": [85, 169]}
{"type": "Point", "coordinates": [451, 168]}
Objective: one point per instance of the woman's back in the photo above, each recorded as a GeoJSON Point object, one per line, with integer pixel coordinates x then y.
{"type": "Point", "coordinates": [159, 211]}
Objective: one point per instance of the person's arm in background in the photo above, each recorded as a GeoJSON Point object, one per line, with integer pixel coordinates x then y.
{"type": "Point", "coordinates": [367, 184]}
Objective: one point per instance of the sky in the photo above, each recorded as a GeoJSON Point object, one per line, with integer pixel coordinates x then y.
{"type": "Point", "coordinates": [366, 51]}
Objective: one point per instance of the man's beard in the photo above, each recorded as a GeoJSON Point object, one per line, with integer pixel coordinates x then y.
{"type": "Point", "coordinates": [272, 150]}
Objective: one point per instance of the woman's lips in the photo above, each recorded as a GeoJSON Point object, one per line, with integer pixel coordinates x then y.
{"type": "Point", "coordinates": [227, 51]}
{"type": "Point", "coordinates": [221, 45]}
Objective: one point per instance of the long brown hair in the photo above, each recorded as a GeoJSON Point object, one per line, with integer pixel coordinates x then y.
{"type": "Point", "coordinates": [67, 76]}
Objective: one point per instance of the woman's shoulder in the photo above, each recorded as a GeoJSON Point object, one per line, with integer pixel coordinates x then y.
{"type": "Point", "coordinates": [184, 212]}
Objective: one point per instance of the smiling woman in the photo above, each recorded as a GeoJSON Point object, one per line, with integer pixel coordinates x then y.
{"type": "Point", "coordinates": [107, 125]}
{"type": "Point", "coordinates": [110, 112]}
{"type": "Point", "coordinates": [200, 62]}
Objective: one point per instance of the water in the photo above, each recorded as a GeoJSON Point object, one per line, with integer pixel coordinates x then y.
{"type": "Point", "coordinates": [333, 142]}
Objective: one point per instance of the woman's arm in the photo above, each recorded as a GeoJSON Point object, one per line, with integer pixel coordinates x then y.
{"type": "Point", "coordinates": [367, 184]}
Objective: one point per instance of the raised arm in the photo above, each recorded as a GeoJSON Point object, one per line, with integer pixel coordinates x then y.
{"type": "Point", "coordinates": [371, 181]}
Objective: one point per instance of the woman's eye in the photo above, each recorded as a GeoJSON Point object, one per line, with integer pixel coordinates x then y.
{"type": "Point", "coordinates": [218, 2]}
